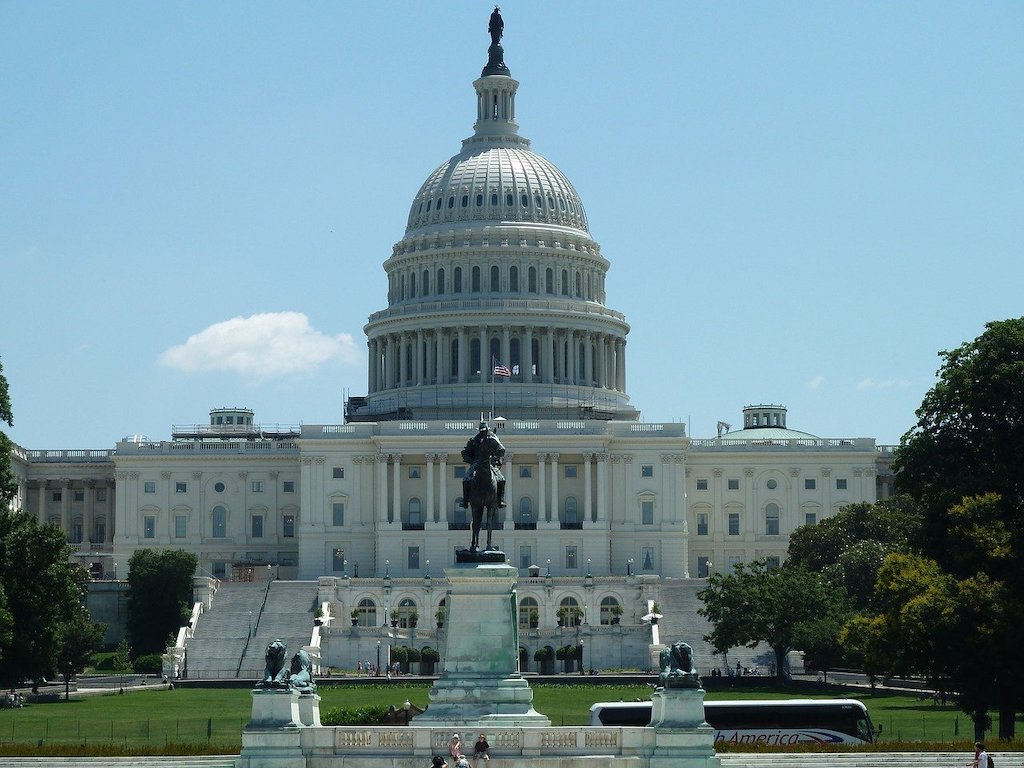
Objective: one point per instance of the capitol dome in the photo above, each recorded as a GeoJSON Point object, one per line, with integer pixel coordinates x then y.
{"type": "Point", "coordinates": [496, 275]}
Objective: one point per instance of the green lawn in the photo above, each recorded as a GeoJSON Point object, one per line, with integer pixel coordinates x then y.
{"type": "Point", "coordinates": [215, 716]}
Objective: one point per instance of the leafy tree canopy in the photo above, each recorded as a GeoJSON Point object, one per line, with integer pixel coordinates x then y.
{"type": "Point", "coordinates": [78, 638]}
{"type": "Point", "coordinates": [43, 590]}
{"type": "Point", "coordinates": [969, 436]}
{"type": "Point", "coordinates": [159, 596]}
{"type": "Point", "coordinates": [8, 488]}
{"type": "Point", "coordinates": [757, 603]}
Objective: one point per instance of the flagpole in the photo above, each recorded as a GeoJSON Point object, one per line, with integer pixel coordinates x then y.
{"type": "Point", "coordinates": [492, 387]}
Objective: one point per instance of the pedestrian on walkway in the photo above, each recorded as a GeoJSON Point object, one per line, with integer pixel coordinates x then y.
{"type": "Point", "coordinates": [981, 758]}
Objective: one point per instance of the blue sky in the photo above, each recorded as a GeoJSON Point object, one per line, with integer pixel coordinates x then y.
{"type": "Point", "coordinates": [802, 202]}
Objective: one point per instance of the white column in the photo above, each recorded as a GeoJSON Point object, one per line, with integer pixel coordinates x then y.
{"type": "Point", "coordinates": [430, 488]}
{"type": "Point", "coordinates": [602, 489]}
{"type": "Point", "coordinates": [418, 368]}
{"type": "Point", "coordinates": [509, 472]}
{"type": "Point", "coordinates": [620, 365]}
{"type": "Point", "coordinates": [555, 509]}
{"type": "Point", "coordinates": [463, 356]}
{"type": "Point", "coordinates": [526, 354]}
{"type": "Point", "coordinates": [587, 515]}
{"type": "Point", "coordinates": [403, 360]}
{"type": "Point", "coordinates": [541, 501]}
{"type": "Point", "coordinates": [382, 488]}
{"type": "Point", "coordinates": [396, 479]}
{"type": "Point", "coordinates": [443, 469]}
{"type": "Point", "coordinates": [485, 355]}
{"type": "Point", "coordinates": [506, 351]}
{"type": "Point", "coordinates": [588, 359]}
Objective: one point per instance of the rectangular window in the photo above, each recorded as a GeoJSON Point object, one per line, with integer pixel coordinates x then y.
{"type": "Point", "coordinates": [734, 560]}
{"type": "Point", "coordinates": [149, 486]}
{"type": "Point", "coordinates": [288, 526]}
{"type": "Point", "coordinates": [810, 484]}
{"type": "Point", "coordinates": [771, 520]}
{"type": "Point", "coordinates": [810, 518]}
{"type": "Point", "coordinates": [56, 496]}
{"type": "Point", "coordinates": [257, 486]}
{"type": "Point", "coordinates": [413, 558]}
{"type": "Point", "coordinates": [219, 569]}
{"type": "Point", "coordinates": [180, 487]}
{"type": "Point", "coordinates": [339, 473]}
{"type": "Point", "coordinates": [414, 473]}
{"type": "Point", "coordinates": [570, 558]}
{"type": "Point", "coordinates": [734, 484]}
{"type": "Point", "coordinates": [338, 513]}
{"type": "Point", "coordinates": [101, 494]}
{"type": "Point", "coordinates": [149, 527]}
{"type": "Point", "coordinates": [180, 526]}
{"type": "Point", "coordinates": [840, 483]}
{"type": "Point", "coordinates": [338, 560]}
{"type": "Point", "coordinates": [702, 523]}
{"type": "Point", "coordinates": [647, 513]}
{"type": "Point", "coordinates": [460, 471]}
{"type": "Point", "coordinates": [287, 558]}
{"type": "Point", "coordinates": [647, 558]}
{"type": "Point", "coordinates": [288, 486]}
{"type": "Point", "coordinates": [257, 526]}
{"type": "Point", "coordinates": [525, 556]}
{"type": "Point", "coordinates": [734, 523]}
{"type": "Point", "coordinates": [702, 485]}
{"type": "Point", "coordinates": [526, 472]}
{"type": "Point", "coordinates": [703, 567]}
{"type": "Point", "coordinates": [772, 563]}
{"type": "Point", "coordinates": [570, 470]}
{"type": "Point", "coordinates": [646, 470]}
{"type": "Point", "coordinates": [79, 496]}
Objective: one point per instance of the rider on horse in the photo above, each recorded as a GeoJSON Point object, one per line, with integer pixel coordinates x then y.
{"type": "Point", "coordinates": [474, 455]}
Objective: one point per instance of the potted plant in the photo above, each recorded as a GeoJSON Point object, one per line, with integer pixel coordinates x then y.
{"type": "Point", "coordinates": [428, 658]}
{"type": "Point", "coordinates": [655, 613]}
{"type": "Point", "coordinates": [318, 617]}
{"type": "Point", "coordinates": [414, 617]}
{"type": "Point", "coordinates": [561, 614]}
{"type": "Point", "coordinates": [616, 613]}
{"type": "Point", "coordinates": [440, 614]}
{"type": "Point", "coordinates": [544, 657]}
{"type": "Point", "coordinates": [533, 617]}
{"type": "Point", "coordinates": [354, 613]}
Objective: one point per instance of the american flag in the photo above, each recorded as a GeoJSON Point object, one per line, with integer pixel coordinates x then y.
{"type": "Point", "coordinates": [501, 370]}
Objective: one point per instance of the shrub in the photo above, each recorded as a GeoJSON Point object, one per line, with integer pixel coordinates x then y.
{"type": "Point", "coordinates": [431, 655]}
{"type": "Point", "coordinates": [150, 664]}
{"type": "Point", "coordinates": [370, 715]}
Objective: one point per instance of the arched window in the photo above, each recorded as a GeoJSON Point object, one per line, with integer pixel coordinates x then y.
{"type": "Point", "coordinates": [475, 285]}
{"type": "Point", "coordinates": [412, 285]}
{"type": "Point", "coordinates": [367, 613]}
{"type": "Point", "coordinates": [474, 356]}
{"type": "Point", "coordinates": [569, 612]}
{"type": "Point", "coordinates": [406, 613]}
{"type": "Point", "coordinates": [402, 294]}
{"type": "Point", "coordinates": [513, 352]}
{"type": "Point", "coordinates": [526, 519]}
{"type": "Point", "coordinates": [454, 372]}
{"type": "Point", "coordinates": [495, 279]}
{"type": "Point", "coordinates": [513, 279]}
{"type": "Point", "coordinates": [426, 283]}
{"type": "Point", "coordinates": [549, 280]}
{"type": "Point", "coordinates": [579, 285]}
{"type": "Point", "coordinates": [439, 285]}
{"type": "Point", "coordinates": [219, 522]}
{"type": "Point", "coordinates": [610, 610]}
{"type": "Point", "coordinates": [565, 282]}
{"type": "Point", "coordinates": [415, 512]}
{"type": "Point", "coordinates": [457, 280]}
{"type": "Point", "coordinates": [771, 519]}
{"type": "Point", "coordinates": [531, 280]}
{"type": "Point", "coordinates": [529, 613]}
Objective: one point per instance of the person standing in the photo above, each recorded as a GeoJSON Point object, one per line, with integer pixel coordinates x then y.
{"type": "Point", "coordinates": [981, 758]}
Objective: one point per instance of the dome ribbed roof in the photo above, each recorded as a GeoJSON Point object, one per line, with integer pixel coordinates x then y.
{"type": "Point", "coordinates": [497, 183]}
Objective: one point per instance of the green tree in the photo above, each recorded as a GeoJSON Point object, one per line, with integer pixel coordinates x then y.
{"type": "Point", "coordinates": [159, 596]}
{"type": "Point", "coordinates": [8, 488]}
{"type": "Point", "coordinates": [968, 443]}
{"type": "Point", "coordinates": [43, 590]}
{"type": "Point", "coordinates": [79, 636]}
{"type": "Point", "coordinates": [757, 603]}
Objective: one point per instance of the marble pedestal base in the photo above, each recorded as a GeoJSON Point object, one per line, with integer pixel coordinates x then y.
{"type": "Point", "coordinates": [480, 682]}
{"type": "Point", "coordinates": [682, 737]}
{"type": "Point", "coordinates": [272, 737]}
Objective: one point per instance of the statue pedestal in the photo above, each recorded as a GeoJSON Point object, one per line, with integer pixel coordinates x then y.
{"type": "Point", "coordinates": [480, 684]}
{"type": "Point", "coordinates": [682, 737]}
{"type": "Point", "coordinates": [272, 737]}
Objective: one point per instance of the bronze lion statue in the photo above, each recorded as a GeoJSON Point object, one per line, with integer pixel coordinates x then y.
{"type": "Point", "coordinates": [677, 667]}
{"type": "Point", "coordinates": [301, 677]}
{"type": "Point", "coordinates": [275, 675]}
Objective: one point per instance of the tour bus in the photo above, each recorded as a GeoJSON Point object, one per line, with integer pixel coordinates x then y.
{"type": "Point", "coordinates": [768, 721]}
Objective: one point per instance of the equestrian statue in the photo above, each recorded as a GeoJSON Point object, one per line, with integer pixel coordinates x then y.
{"type": "Point", "coordinates": [483, 486]}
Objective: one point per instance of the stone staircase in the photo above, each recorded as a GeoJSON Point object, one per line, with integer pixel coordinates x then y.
{"type": "Point", "coordinates": [679, 605]}
{"type": "Point", "coordinates": [287, 616]}
{"type": "Point", "coordinates": [221, 632]}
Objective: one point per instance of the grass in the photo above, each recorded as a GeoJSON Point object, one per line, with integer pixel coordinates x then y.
{"type": "Point", "coordinates": [210, 720]}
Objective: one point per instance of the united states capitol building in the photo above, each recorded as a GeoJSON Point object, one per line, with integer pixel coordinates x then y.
{"type": "Point", "coordinates": [497, 265]}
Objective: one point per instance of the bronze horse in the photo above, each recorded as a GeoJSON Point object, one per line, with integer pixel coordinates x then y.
{"type": "Point", "coordinates": [483, 491]}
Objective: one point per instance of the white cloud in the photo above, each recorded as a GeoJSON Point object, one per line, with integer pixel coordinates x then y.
{"type": "Point", "coordinates": [816, 382]}
{"type": "Point", "coordinates": [264, 345]}
{"type": "Point", "coordinates": [870, 383]}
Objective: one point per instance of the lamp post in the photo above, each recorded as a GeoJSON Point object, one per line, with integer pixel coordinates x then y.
{"type": "Point", "coordinates": [582, 665]}
{"type": "Point", "coordinates": [115, 570]}
{"type": "Point", "coordinates": [629, 567]}
{"type": "Point", "coordinates": [250, 623]}
{"type": "Point", "coordinates": [406, 707]}
{"type": "Point", "coordinates": [377, 672]}
{"type": "Point", "coordinates": [344, 569]}
{"type": "Point", "coordinates": [549, 567]}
